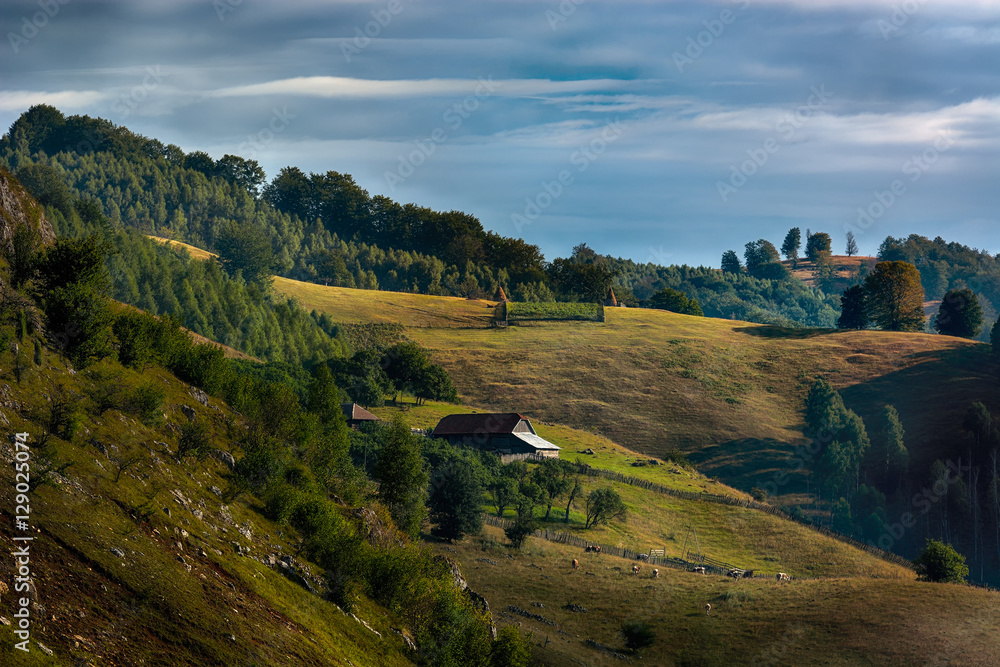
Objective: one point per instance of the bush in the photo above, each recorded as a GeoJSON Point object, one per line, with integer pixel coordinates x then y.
{"type": "Point", "coordinates": [146, 402]}
{"type": "Point", "coordinates": [638, 635]}
{"type": "Point", "coordinates": [511, 648]}
{"type": "Point", "coordinates": [939, 562]}
{"type": "Point", "coordinates": [519, 531]}
{"type": "Point", "coordinates": [194, 440]}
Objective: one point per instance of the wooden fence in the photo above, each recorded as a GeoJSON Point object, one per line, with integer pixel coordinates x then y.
{"type": "Point", "coordinates": [711, 565]}
{"type": "Point", "coordinates": [747, 503]}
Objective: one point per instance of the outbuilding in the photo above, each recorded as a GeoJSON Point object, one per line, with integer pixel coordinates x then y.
{"type": "Point", "coordinates": [356, 415]}
{"type": "Point", "coordinates": [508, 434]}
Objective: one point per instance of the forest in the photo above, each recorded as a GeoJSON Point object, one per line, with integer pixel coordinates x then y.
{"type": "Point", "coordinates": [324, 228]}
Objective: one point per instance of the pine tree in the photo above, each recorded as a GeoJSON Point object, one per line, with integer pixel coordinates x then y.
{"type": "Point", "coordinates": [853, 309]}
{"type": "Point", "coordinates": [790, 247]}
{"type": "Point", "coordinates": [731, 262]}
{"type": "Point", "coordinates": [959, 314]}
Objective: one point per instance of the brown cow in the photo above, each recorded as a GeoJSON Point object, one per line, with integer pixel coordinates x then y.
{"type": "Point", "coordinates": [635, 569]}
{"type": "Point", "coordinates": [576, 564]}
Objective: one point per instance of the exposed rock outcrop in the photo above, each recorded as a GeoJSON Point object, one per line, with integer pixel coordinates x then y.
{"type": "Point", "coordinates": [18, 208]}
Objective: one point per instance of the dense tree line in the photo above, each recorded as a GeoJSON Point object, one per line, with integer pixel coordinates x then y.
{"type": "Point", "coordinates": [293, 449]}
{"type": "Point", "coordinates": [324, 228]}
{"type": "Point", "coordinates": [945, 267]}
{"type": "Point", "coordinates": [873, 493]}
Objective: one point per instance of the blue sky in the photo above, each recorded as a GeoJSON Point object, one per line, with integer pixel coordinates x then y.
{"type": "Point", "coordinates": [661, 131]}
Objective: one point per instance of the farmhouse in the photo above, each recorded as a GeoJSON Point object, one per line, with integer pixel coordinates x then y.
{"type": "Point", "coordinates": [507, 434]}
{"type": "Point", "coordinates": [356, 415]}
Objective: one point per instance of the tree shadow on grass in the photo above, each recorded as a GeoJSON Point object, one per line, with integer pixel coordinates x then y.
{"type": "Point", "coordinates": [748, 462]}
{"type": "Point", "coordinates": [771, 331]}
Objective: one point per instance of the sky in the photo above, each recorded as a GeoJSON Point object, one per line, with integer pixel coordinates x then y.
{"type": "Point", "coordinates": [665, 132]}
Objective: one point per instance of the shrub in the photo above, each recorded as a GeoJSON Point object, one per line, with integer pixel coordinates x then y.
{"type": "Point", "coordinates": [519, 531]}
{"type": "Point", "coordinates": [511, 648]}
{"type": "Point", "coordinates": [194, 440]}
{"type": "Point", "coordinates": [941, 563]}
{"type": "Point", "coordinates": [638, 635]}
{"type": "Point", "coordinates": [146, 402]}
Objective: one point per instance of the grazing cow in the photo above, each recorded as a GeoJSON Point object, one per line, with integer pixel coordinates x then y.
{"type": "Point", "coordinates": [708, 608]}
{"type": "Point", "coordinates": [594, 548]}
{"type": "Point", "coordinates": [735, 573]}
{"type": "Point", "coordinates": [748, 574]}
{"type": "Point", "coordinates": [576, 564]}
{"type": "Point", "coordinates": [643, 557]}
{"type": "Point", "coordinates": [781, 576]}
{"type": "Point", "coordinates": [656, 573]}
{"type": "Point", "coordinates": [635, 569]}
{"type": "Point", "coordinates": [699, 570]}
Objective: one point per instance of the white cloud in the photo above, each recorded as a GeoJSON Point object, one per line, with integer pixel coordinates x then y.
{"type": "Point", "coordinates": [20, 100]}
{"type": "Point", "coordinates": [345, 87]}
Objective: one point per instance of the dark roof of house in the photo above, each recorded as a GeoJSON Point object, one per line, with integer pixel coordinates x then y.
{"type": "Point", "coordinates": [470, 424]}
{"type": "Point", "coordinates": [355, 412]}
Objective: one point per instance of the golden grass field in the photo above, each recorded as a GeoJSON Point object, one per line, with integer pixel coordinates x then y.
{"type": "Point", "coordinates": [826, 621]}
{"type": "Point", "coordinates": [727, 393]}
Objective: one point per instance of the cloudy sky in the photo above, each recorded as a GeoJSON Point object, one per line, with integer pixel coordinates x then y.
{"type": "Point", "coordinates": [661, 131]}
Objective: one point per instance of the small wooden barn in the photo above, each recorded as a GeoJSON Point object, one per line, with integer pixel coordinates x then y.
{"type": "Point", "coordinates": [356, 415]}
{"type": "Point", "coordinates": [506, 433]}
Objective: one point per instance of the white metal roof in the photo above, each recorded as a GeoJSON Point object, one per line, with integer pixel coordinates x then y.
{"type": "Point", "coordinates": [535, 441]}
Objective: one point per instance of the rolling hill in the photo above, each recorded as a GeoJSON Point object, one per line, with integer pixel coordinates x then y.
{"type": "Point", "coordinates": [727, 393]}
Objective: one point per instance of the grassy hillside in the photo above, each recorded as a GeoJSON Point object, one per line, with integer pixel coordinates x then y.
{"type": "Point", "coordinates": [747, 538]}
{"type": "Point", "coordinates": [828, 621]}
{"type": "Point", "coordinates": [147, 569]}
{"type": "Point", "coordinates": [728, 393]}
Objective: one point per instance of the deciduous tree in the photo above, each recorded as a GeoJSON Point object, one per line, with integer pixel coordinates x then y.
{"type": "Point", "coordinates": [603, 505]}
{"type": "Point", "coordinates": [895, 296]}
{"type": "Point", "coordinates": [852, 245]}
{"type": "Point", "coordinates": [817, 243]}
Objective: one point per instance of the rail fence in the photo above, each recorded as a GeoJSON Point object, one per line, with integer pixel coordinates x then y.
{"type": "Point", "coordinates": [733, 501]}
{"type": "Point", "coordinates": [711, 565]}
